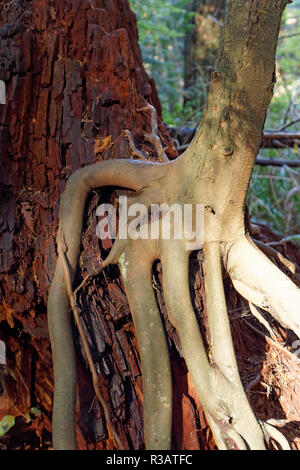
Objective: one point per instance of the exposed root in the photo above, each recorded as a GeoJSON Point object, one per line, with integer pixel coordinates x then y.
{"type": "Point", "coordinates": [153, 138]}
{"type": "Point", "coordinates": [218, 323]}
{"type": "Point", "coordinates": [275, 437]}
{"type": "Point", "coordinates": [258, 280]}
{"type": "Point", "coordinates": [222, 152]}
{"type": "Point", "coordinates": [272, 253]}
{"type": "Point", "coordinates": [130, 174]}
{"type": "Point", "coordinates": [218, 387]}
{"type": "Point", "coordinates": [262, 320]}
{"type": "Point", "coordinates": [136, 272]}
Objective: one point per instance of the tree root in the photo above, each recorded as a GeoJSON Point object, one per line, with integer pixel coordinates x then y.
{"type": "Point", "coordinates": [218, 383]}
{"type": "Point", "coordinates": [262, 320]}
{"type": "Point", "coordinates": [125, 173]}
{"type": "Point", "coordinates": [136, 272]}
{"type": "Point", "coordinates": [259, 281]}
{"type": "Point", "coordinates": [275, 437]}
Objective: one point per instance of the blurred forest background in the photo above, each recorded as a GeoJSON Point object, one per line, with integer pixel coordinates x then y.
{"type": "Point", "coordinates": [173, 35]}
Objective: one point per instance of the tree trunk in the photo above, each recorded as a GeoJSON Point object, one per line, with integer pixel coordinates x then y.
{"type": "Point", "coordinates": [75, 83]}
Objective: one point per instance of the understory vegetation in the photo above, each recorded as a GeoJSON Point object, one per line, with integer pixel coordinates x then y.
{"type": "Point", "coordinates": [274, 195]}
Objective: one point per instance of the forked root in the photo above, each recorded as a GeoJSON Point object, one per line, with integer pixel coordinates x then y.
{"type": "Point", "coordinates": [241, 427]}
{"type": "Point", "coordinates": [275, 437]}
{"type": "Point", "coordinates": [218, 386]}
{"type": "Point", "coordinates": [153, 138]}
{"type": "Point", "coordinates": [125, 173]}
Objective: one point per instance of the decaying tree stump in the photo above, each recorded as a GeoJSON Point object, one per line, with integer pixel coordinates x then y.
{"type": "Point", "coordinates": [75, 82]}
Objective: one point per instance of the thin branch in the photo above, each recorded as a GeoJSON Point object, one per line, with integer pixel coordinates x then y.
{"type": "Point", "coordinates": [62, 249]}
{"type": "Point", "coordinates": [288, 36]}
{"type": "Point", "coordinates": [87, 278]}
{"type": "Point", "coordinates": [153, 138]}
{"type": "Point", "coordinates": [134, 150]}
{"type": "Point", "coordinates": [289, 124]}
{"type": "Point", "coordinates": [273, 162]}
{"type": "Point", "coordinates": [271, 139]}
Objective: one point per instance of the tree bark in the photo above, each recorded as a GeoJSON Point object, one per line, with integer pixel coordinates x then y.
{"type": "Point", "coordinates": [75, 82]}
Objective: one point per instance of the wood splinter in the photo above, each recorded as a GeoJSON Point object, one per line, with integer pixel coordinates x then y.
{"type": "Point", "coordinates": [112, 433]}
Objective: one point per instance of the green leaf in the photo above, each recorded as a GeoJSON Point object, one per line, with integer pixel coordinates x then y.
{"type": "Point", "coordinates": [36, 412]}
{"type": "Point", "coordinates": [6, 424]}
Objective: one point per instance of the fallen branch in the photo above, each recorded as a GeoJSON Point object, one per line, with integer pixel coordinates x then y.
{"type": "Point", "coordinates": [273, 162]}
{"type": "Point", "coordinates": [183, 137]}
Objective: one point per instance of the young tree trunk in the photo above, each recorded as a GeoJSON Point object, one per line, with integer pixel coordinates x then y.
{"type": "Point", "coordinates": [75, 84]}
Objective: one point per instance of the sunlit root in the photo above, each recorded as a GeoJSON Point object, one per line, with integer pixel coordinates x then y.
{"type": "Point", "coordinates": [271, 252]}
{"type": "Point", "coordinates": [262, 320]}
{"type": "Point", "coordinates": [272, 435]}
{"type": "Point", "coordinates": [218, 322]}
{"type": "Point", "coordinates": [136, 272]}
{"type": "Point", "coordinates": [222, 396]}
{"type": "Point", "coordinates": [258, 280]}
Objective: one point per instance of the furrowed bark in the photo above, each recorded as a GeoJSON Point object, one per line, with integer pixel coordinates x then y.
{"type": "Point", "coordinates": [74, 79]}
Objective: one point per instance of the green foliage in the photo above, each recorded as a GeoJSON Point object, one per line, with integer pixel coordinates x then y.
{"type": "Point", "coordinates": [6, 424]}
{"type": "Point", "coordinates": [285, 104]}
{"type": "Point", "coordinates": [162, 28]}
{"type": "Point", "coordinates": [35, 412]}
{"type": "Point", "coordinates": [274, 195]}
{"type": "Point", "coordinates": [9, 421]}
